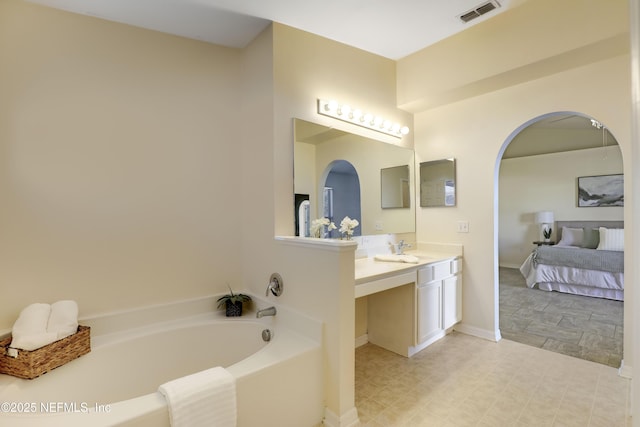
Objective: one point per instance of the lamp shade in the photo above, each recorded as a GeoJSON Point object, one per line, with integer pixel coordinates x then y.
{"type": "Point", "coordinates": [544, 217]}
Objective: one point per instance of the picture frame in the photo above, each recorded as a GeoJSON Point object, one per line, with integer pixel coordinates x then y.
{"type": "Point", "coordinates": [600, 190]}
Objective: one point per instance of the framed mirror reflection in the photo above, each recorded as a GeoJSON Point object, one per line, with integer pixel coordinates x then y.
{"type": "Point", "coordinates": [438, 183]}
{"type": "Point", "coordinates": [326, 157]}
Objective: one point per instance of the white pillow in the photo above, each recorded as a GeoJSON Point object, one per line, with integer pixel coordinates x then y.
{"type": "Point", "coordinates": [571, 237]}
{"type": "Point", "coordinates": [611, 239]}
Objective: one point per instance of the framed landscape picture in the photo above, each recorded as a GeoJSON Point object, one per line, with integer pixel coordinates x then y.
{"type": "Point", "coordinates": [602, 190]}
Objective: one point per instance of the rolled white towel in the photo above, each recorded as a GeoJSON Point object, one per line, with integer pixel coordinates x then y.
{"type": "Point", "coordinates": [30, 330]}
{"type": "Point", "coordinates": [63, 320]}
{"type": "Point", "coordinates": [33, 319]}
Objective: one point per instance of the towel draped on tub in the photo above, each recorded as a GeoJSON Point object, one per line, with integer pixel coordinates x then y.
{"type": "Point", "coordinates": [206, 398]}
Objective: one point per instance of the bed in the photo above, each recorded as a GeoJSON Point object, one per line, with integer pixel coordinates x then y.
{"type": "Point", "coordinates": [587, 260]}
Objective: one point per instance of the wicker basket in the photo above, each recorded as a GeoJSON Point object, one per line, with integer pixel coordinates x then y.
{"type": "Point", "coordinates": [32, 364]}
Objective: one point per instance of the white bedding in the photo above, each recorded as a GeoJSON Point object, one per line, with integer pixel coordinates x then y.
{"type": "Point", "coordinates": [578, 281]}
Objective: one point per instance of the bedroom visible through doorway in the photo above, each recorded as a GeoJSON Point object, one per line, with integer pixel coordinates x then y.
{"type": "Point", "coordinates": [539, 171]}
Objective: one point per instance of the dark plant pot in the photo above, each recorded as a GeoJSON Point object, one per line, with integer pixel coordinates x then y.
{"type": "Point", "coordinates": [234, 309]}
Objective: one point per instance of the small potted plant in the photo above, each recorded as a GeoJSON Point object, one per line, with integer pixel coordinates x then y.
{"type": "Point", "coordinates": [547, 234]}
{"type": "Point", "coordinates": [233, 303]}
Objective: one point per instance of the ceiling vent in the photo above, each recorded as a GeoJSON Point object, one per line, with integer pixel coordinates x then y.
{"type": "Point", "coordinates": [479, 10]}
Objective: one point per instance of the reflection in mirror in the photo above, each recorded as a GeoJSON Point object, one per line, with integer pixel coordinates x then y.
{"type": "Point", "coordinates": [438, 183]}
{"type": "Point", "coordinates": [341, 195]}
{"type": "Point", "coordinates": [394, 187]}
{"type": "Point", "coordinates": [317, 149]}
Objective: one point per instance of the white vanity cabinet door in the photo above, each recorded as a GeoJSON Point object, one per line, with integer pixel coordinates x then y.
{"type": "Point", "coordinates": [429, 297]}
{"type": "Point", "coordinates": [452, 300]}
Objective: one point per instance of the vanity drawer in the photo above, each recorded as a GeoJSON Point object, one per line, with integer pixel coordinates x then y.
{"type": "Point", "coordinates": [432, 272]}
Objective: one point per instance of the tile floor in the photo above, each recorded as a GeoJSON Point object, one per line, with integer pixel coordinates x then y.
{"type": "Point", "coordinates": [579, 326]}
{"type": "Point", "coordinates": [467, 381]}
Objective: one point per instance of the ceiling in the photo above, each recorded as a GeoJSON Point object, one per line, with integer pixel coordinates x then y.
{"type": "Point", "coordinates": [392, 29]}
{"type": "Point", "coordinates": [557, 133]}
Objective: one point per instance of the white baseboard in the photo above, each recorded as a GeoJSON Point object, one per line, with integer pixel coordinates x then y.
{"type": "Point", "coordinates": [362, 340]}
{"type": "Point", "coordinates": [348, 419]}
{"type": "Point", "coordinates": [625, 371]}
{"type": "Point", "coordinates": [479, 332]}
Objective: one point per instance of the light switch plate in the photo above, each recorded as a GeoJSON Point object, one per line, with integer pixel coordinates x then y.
{"type": "Point", "coordinates": [463, 226]}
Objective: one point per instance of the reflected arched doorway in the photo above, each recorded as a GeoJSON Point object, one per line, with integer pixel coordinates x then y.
{"type": "Point", "coordinates": [341, 194]}
{"type": "Point", "coordinates": [539, 169]}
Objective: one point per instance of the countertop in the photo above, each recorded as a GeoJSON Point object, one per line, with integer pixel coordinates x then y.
{"type": "Point", "coordinates": [374, 276]}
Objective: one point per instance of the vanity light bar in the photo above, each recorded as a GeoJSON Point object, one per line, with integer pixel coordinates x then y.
{"type": "Point", "coordinates": [358, 117]}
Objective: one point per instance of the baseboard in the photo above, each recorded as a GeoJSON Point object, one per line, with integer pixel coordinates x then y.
{"type": "Point", "coordinates": [362, 340]}
{"type": "Point", "coordinates": [348, 419]}
{"type": "Point", "coordinates": [625, 371]}
{"type": "Point", "coordinates": [479, 332]}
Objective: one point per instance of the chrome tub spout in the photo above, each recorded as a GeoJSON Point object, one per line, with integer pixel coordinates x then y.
{"type": "Point", "coordinates": [270, 311]}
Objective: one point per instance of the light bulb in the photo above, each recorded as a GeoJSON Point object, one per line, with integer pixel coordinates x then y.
{"type": "Point", "coordinates": [331, 105]}
{"type": "Point", "coordinates": [404, 130]}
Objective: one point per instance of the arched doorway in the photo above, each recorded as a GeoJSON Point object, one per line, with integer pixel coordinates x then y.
{"type": "Point", "coordinates": [540, 164]}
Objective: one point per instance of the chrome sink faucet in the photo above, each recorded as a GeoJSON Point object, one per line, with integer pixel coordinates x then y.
{"type": "Point", "coordinates": [269, 311]}
{"type": "Point", "coordinates": [400, 246]}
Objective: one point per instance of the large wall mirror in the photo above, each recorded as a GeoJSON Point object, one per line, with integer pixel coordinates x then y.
{"type": "Point", "coordinates": [328, 161]}
{"type": "Point", "coordinates": [438, 183]}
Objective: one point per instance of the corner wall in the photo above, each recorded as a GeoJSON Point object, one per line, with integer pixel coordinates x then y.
{"type": "Point", "coordinates": [118, 163]}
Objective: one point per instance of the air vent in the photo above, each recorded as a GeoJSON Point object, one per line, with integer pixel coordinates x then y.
{"type": "Point", "coordinates": [479, 10]}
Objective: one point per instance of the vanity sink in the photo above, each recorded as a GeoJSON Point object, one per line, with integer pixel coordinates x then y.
{"type": "Point", "coordinates": [411, 259]}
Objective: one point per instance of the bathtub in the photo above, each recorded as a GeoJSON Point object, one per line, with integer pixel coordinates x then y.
{"type": "Point", "coordinates": [278, 382]}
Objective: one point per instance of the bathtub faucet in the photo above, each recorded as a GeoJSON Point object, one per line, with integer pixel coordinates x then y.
{"type": "Point", "coordinates": [271, 311]}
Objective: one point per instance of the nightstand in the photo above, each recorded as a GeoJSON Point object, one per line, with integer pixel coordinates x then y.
{"type": "Point", "coordinates": [541, 243]}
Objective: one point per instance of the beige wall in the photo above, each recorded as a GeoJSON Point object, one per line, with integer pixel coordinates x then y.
{"type": "Point", "coordinates": [547, 182]}
{"type": "Point", "coordinates": [119, 153]}
{"type": "Point", "coordinates": [534, 40]}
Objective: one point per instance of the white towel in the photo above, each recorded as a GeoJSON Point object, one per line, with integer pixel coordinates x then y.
{"type": "Point", "coordinates": [30, 330]}
{"type": "Point", "coordinates": [203, 399]}
{"type": "Point", "coordinates": [40, 324]}
{"type": "Point", "coordinates": [398, 258]}
{"type": "Point", "coordinates": [63, 320]}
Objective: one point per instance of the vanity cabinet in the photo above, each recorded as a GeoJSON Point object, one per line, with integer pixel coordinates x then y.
{"type": "Point", "coordinates": [439, 300]}
{"type": "Point", "coordinates": [429, 299]}
{"type": "Point", "coordinates": [409, 310]}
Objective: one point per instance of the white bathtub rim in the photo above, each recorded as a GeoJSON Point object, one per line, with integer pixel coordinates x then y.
{"type": "Point", "coordinates": [277, 351]}
{"type": "Point", "coordinates": [293, 335]}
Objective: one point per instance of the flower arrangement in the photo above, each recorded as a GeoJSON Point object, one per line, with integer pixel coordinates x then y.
{"type": "Point", "coordinates": [347, 225]}
{"type": "Point", "coordinates": [318, 227]}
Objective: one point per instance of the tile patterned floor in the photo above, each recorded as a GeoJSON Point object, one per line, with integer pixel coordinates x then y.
{"type": "Point", "coordinates": [584, 327]}
{"type": "Point", "coordinates": [467, 381]}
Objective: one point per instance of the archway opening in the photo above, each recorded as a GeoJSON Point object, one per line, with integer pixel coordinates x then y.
{"type": "Point", "coordinates": [541, 165]}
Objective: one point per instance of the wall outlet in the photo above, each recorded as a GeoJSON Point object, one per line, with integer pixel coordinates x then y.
{"type": "Point", "coordinates": [379, 225]}
{"type": "Point", "coordinates": [463, 226]}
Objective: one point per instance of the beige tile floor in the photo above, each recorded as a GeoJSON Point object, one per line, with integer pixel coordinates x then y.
{"type": "Point", "coordinates": [467, 381]}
